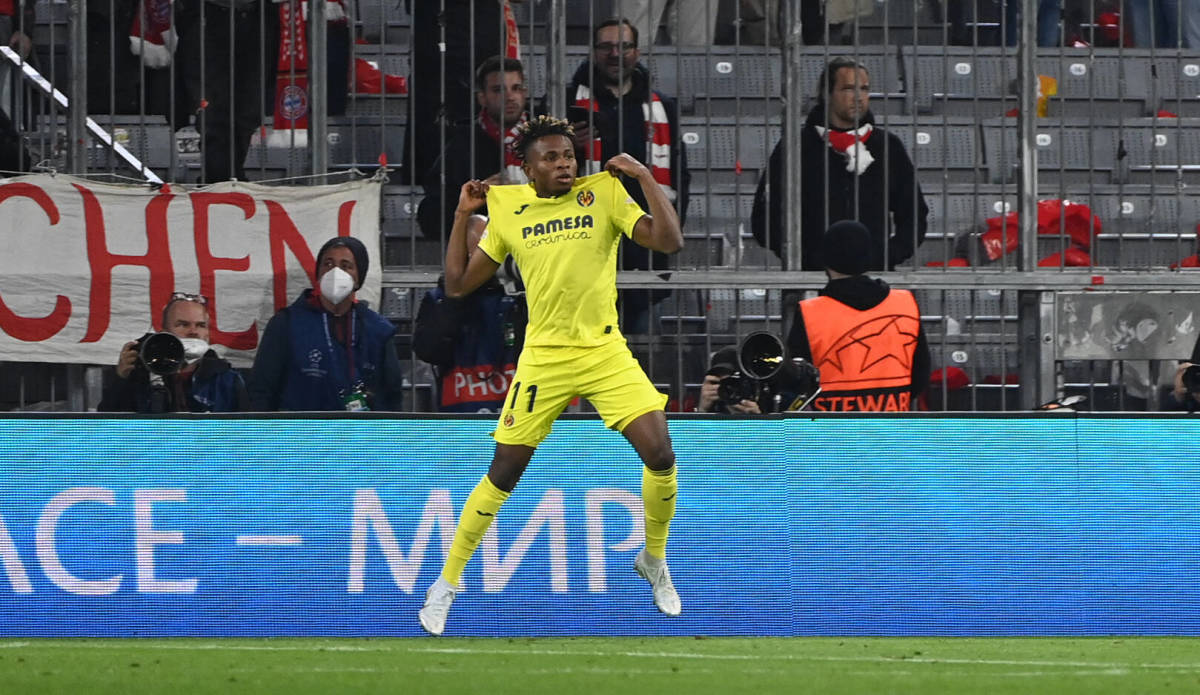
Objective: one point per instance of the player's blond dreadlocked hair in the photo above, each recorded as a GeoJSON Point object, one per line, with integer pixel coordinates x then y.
{"type": "Point", "coordinates": [540, 127]}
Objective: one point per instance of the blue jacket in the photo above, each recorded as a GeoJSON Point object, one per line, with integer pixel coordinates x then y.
{"type": "Point", "coordinates": [301, 365]}
{"type": "Point", "coordinates": [473, 344]}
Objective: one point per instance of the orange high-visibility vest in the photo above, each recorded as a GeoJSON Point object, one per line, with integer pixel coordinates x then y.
{"type": "Point", "coordinates": [865, 357]}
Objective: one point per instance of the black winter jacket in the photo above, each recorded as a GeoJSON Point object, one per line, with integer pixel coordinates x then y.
{"type": "Point", "coordinates": [886, 198]}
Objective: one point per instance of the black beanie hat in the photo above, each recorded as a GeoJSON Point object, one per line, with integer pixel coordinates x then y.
{"type": "Point", "coordinates": [724, 362]}
{"type": "Point", "coordinates": [846, 247]}
{"type": "Point", "coordinates": [361, 260]}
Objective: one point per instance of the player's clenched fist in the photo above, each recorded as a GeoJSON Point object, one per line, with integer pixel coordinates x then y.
{"type": "Point", "coordinates": [624, 164]}
{"type": "Point", "coordinates": [472, 196]}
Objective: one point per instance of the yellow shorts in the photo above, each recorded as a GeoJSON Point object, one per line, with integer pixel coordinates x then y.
{"type": "Point", "coordinates": [548, 378]}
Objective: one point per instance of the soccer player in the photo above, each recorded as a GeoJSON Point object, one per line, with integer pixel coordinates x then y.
{"type": "Point", "coordinates": [563, 234]}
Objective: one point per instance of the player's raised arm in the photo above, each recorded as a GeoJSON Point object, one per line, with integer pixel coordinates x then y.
{"type": "Point", "coordinates": [659, 230]}
{"type": "Point", "coordinates": [466, 271]}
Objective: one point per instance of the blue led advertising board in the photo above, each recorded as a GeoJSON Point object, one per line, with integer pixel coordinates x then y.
{"type": "Point", "coordinates": [785, 526]}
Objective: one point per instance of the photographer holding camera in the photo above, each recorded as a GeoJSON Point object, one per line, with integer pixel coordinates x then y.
{"type": "Point", "coordinates": [1187, 381]}
{"type": "Point", "coordinates": [158, 374]}
{"type": "Point", "coordinates": [724, 364]}
{"type": "Point", "coordinates": [864, 337]}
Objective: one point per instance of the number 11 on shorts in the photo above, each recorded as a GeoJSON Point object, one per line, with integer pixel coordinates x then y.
{"type": "Point", "coordinates": [516, 391]}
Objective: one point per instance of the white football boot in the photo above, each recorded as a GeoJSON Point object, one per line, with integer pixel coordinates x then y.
{"type": "Point", "coordinates": [438, 598]}
{"type": "Point", "coordinates": [654, 570]}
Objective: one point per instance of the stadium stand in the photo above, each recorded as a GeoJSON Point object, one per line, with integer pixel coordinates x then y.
{"type": "Point", "coordinates": [1108, 141]}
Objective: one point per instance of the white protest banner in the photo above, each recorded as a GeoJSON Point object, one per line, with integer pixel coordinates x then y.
{"type": "Point", "coordinates": [89, 266]}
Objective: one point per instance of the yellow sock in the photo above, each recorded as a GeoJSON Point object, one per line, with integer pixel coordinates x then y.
{"type": "Point", "coordinates": [658, 499]}
{"type": "Point", "coordinates": [477, 515]}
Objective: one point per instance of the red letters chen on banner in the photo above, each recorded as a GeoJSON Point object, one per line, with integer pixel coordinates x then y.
{"type": "Point", "coordinates": [89, 265]}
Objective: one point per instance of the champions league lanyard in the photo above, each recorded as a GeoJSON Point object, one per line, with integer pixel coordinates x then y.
{"type": "Point", "coordinates": [353, 386]}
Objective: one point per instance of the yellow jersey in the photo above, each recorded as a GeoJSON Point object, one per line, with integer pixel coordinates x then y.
{"type": "Point", "coordinates": [566, 250]}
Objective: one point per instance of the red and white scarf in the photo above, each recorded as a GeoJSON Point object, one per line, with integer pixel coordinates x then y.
{"type": "Point", "coordinates": [512, 35]}
{"type": "Point", "coordinates": [513, 173]}
{"type": "Point", "coordinates": [849, 143]}
{"type": "Point", "coordinates": [658, 139]}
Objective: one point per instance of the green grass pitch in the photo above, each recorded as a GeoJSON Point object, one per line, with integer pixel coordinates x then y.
{"type": "Point", "coordinates": [827, 665]}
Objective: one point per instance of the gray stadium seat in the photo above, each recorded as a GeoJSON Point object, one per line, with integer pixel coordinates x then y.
{"type": "Point", "coordinates": [1162, 150]}
{"type": "Point", "coordinates": [750, 309]}
{"type": "Point", "coordinates": [721, 81]}
{"type": "Point", "coordinates": [1177, 81]}
{"type": "Point", "coordinates": [719, 210]}
{"type": "Point", "coordinates": [700, 250]}
{"type": "Point", "coordinates": [981, 81]}
{"type": "Point", "coordinates": [1144, 226]}
{"type": "Point", "coordinates": [1068, 151]}
{"type": "Point", "coordinates": [358, 143]}
{"type": "Point", "coordinates": [369, 107]}
{"type": "Point", "coordinates": [148, 138]}
{"type": "Point", "coordinates": [1115, 83]}
{"type": "Point", "coordinates": [727, 150]}
{"type": "Point", "coordinates": [383, 21]}
{"type": "Point", "coordinates": [399, 211]}
{"type": "Point", "coordinates": [978, 358]}
{"type": "Point", "coordinates": [958, 80]}
{"type": "Point", "coordinates": [399, 303]}
{"type": "Point", "coordinates": [942, 149]}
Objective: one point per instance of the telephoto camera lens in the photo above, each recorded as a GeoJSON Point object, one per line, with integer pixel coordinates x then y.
{"type": "Point", "coordinates": [161, 353]}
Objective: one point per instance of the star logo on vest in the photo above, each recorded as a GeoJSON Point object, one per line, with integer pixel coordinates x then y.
{"type": "Point", "coordinates": [585, 198]}
{"type": "Point", "coordinates": [873, 342]}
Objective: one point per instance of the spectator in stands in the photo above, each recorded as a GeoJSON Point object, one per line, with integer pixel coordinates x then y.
{"type": "Point", "coordinates": [205, 383]}
{"type": "Point", "coordinates": [228, 64]}
{"type": "Point", "coordinates": [130, 51]}
{"type": "Point", "coordinates": [761, 22]}
{"type": "Point", "coordinates": [1048, 16]}
{"type": "Point", "coordinates": [462, 33]}
{"type": "Point", "coordinates": [724, 363]}
{"type": "Point", "coordinates": [481, 150]}
{"type": "Point", "coordinates": [690, 23]}
{"type": "Point", "coordinates": [17, 18]}
{"type": "Point", "coordinates": [16, 29]}
{"type": "Point", "coordinates": [328, 351]}
{"type": "Point", "coordinates": [865, 338]}
{"type": "Point", "coordinates": [851, 171]}
{"type": "Point", "coordinates": [473, 342]}
{"type": "Point", "coordinates": [821, 21]}
{"type": "Point", "coordinates": [1189, 23]}
{"type": "Point", "coordinates": [615, 110]}
{"type": "Point", "coordinates": [1155, 22]}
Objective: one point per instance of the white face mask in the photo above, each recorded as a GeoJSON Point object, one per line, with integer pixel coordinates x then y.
{"type": "Point", "coordinates": [336, 285]}
{"type": "Point", "coordinates": [193, 349]}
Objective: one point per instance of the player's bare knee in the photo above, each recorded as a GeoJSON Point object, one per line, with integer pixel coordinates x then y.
{"type": "Point", "coordinates": [660, 457]}
{"type": "Point", "coordinates": [508, 463]}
